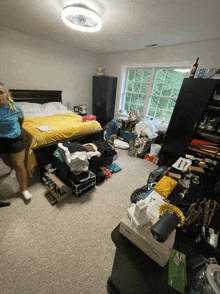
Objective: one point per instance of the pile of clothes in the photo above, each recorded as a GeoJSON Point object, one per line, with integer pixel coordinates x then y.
{"type": "Point", "coordinates": [74, 160]}
{"type": "Point", "coordinates": [147, 134]}
{"type": "Point", "coordinates": [145, 131]}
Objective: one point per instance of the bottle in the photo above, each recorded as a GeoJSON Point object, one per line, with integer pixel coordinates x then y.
{"type": "Point", "coordinates": [194, 68]}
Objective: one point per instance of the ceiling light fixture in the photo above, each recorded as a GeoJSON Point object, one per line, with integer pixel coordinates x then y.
{"type": "Point", "coordinates": [81, 16]}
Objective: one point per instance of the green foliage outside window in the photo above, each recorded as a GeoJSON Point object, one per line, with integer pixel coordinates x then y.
{"type": "Point", "coordinates": [165, 90]}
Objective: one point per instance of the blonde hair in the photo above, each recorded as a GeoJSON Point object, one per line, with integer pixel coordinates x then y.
{"type": "Point", "coordinates": [9, 98]}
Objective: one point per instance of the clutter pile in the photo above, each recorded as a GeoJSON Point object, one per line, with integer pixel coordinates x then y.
{"type": "Point", "coordinates": [137, 226]}
{"type": "Point", "coordinates": [136, 136]}
{"type": "Point", "coordinates": [79, 167]}
{"type": "Point", "coordinates": [172, 193]}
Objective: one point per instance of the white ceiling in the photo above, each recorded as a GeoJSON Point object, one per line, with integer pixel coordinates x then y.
{"type": "Point", "coordinates": [127, 24]}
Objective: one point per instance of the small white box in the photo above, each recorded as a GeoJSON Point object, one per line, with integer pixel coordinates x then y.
{"type": "Point", "coordinates": [140, 209]}
{"type": "Point", "coordinates": [138, 222]}
{"type": "Point", "coordinates": [144, 240]}
{"type": "Point", "coordinates": [147, 209]}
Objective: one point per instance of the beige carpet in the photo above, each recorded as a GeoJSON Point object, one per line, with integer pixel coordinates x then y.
{"type": "Point", "coordinates": [65, 248]}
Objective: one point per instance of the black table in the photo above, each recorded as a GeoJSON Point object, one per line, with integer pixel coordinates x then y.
{"type": "Point", "coordinates": [133, 272]}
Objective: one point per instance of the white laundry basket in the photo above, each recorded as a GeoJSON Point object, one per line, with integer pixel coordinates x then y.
{"type": "Point", "coordinates": [155, 149]}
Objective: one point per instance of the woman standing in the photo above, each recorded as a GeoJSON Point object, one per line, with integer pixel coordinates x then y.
{"type": "Point", "coordinates": [12, 148]}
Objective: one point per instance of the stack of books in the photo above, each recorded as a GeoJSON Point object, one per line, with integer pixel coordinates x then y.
{"type": "Point", "coordinates": [49, 196]}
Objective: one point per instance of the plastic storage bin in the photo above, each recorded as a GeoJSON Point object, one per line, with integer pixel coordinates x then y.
{"type": "Point", "coordinates": [155, 149]}
{"type": "Point", "coordinates": [127, 136]}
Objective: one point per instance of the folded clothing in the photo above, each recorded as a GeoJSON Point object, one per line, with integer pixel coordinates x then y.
{"type": "Point", "coordinates": [165, 186]}
{"type": "Point", "coordinates": [104, 147]}
{"type": "Point", "coordinates": [91, 150]}
{"type": "Point", "coordinates": [72, 146]}
{"type": "Point", "coordinates": [114, 168]}
{"type": "Point", "coordinates": [75, 155]}
{"type": "Point", "coordinates": [106, 172]}
{"type": "Point", "coordinates": [59, 155]}
{"type": "Point", "coordinates": [88, 117]}
{"type": "Point", "coordinates": [90, 147]}
{"type": "Point", "coordinates": [204, 147]}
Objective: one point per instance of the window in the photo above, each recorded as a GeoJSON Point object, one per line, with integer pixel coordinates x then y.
{"type": "Point", "coordinates": [153, 91]}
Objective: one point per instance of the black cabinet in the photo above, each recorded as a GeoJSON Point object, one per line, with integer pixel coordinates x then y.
{"type": "Point", "coordinates": [192, 103]}
{"type": "Point", "coordinates": [104, 92]}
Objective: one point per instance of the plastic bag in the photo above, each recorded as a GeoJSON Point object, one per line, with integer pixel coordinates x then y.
{"type": "Point", "coordinates": [138, 194]}
{"type": "Point", "coordinates": [111, 129]}
{"type": "Point", "coordinates": [134, 114]}
{"type": "Point", "coordinates": [132, 151]}
{"type": "Point", "coordinates": [165, 186]}
{"type": "Point", "coordinates": [155, 149]}
{"type": "Point", "coordinates": [145, 128]}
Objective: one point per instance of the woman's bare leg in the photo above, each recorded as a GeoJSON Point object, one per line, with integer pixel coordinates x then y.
{"type": "Point", "coordinates": [17, 160]}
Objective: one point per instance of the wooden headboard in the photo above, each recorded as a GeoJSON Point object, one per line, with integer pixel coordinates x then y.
{"type": "Point", "coordinates": [36, 96]}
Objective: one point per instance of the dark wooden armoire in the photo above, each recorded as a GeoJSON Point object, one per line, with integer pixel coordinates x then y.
{"type": "Point", "coordinates": [104, 92]}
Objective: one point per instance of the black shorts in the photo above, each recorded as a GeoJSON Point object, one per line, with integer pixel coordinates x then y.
{"type": "Point", "coordinates": [11, 145]}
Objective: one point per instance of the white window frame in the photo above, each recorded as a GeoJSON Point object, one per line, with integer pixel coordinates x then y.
{"type": "Point", "coordinates": [150, 85]}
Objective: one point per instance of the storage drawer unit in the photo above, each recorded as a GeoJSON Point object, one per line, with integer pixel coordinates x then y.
{"type": "Point", "coordinates": [58, 189]}
{"type": "Point", "coordinates": [84, 185]}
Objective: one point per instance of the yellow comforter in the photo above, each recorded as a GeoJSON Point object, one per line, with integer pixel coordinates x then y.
{"type": "Point", "coordinates": [64, 126]}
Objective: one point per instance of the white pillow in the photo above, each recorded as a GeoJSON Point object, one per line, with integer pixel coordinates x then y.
{"type": "Point", "coordinates": [53, 106]}
{"type": "Point", "coordinates": [120, 144]}
{"type": "Point", "coordinates": [62, 107]}
{"type": "Point", "coordinates": [46, 107]}
{"type": "Point", "coordinates": [28, 107]}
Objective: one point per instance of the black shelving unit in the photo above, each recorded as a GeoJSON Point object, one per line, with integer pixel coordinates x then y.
{"type": "Point", "coordinates": [194, 101]}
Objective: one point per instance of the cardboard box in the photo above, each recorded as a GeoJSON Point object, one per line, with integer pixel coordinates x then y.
{"type": "Point", "coordinates": [144, 240]}
{"type": "Point", "coordinates": [60, 191]}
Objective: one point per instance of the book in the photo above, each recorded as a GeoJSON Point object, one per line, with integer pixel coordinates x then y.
{"type": "Point", "coordinates": [201, 73]}
{"type": "Point", "coordinates": [44, 128]}
{"type": "Point", "coordinates": [50, 198]}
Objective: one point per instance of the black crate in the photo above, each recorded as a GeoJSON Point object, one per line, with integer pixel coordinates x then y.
{"type": "Point", "coordinates": [81, 187]}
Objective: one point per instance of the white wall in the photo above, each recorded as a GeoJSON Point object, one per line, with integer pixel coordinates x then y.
{"type": "Point", "coordinates": [185, 55]}
{"type": "Point", "coordinates": [32, 63]}
{"type": "Point", "coordinates": [27, 62]}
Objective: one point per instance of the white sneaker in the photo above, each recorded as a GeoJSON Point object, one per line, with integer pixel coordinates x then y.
{"type": "Point", "coordinates": [27, 195]}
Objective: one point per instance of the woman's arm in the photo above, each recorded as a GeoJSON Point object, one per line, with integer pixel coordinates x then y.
{"type": "Point", "coordinates": [21, 120]}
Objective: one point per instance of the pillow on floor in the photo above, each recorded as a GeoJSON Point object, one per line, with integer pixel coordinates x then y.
{"type": "Point", "coordinates": [121, 144]}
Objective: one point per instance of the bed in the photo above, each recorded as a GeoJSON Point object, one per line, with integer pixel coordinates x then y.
{"type": "Point", "coordinates": [47, 122]}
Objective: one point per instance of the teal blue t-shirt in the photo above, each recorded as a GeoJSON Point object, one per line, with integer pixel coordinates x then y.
{"type": "Point", "coordinates": [9, 124]}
